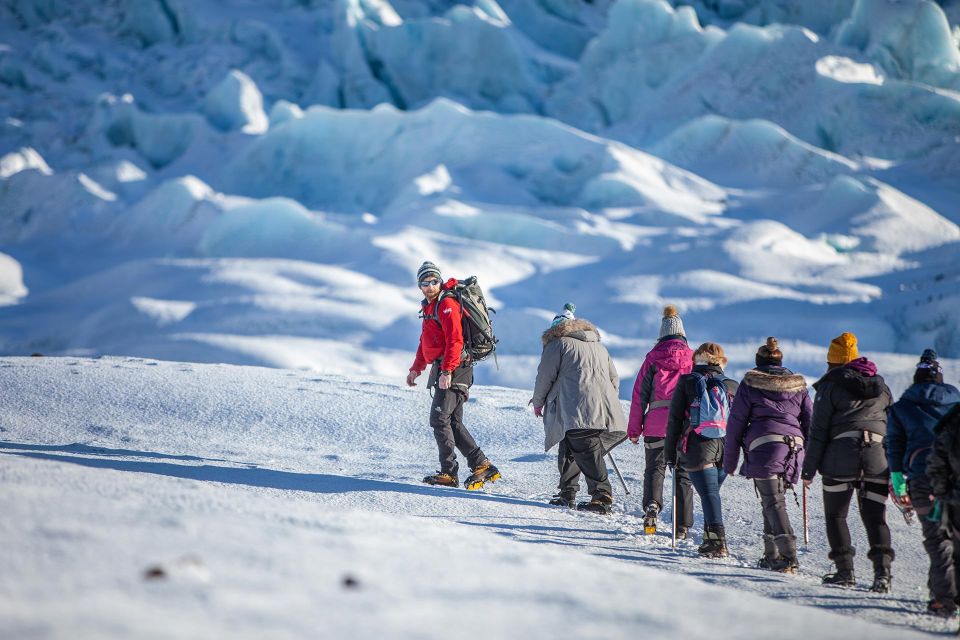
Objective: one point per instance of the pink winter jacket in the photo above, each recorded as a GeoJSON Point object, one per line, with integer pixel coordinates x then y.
{"type": "Point", "coordinates": [654, 387]}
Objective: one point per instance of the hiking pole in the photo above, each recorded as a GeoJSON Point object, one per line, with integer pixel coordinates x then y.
{"type": "Point", "coordinates": [673, 474]}
{"type": "Point", "coordinates": [619, 475]}
{"type": "Point", "coordinates": [806, 518]}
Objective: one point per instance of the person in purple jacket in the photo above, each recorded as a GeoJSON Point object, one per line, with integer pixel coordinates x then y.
{"type": "Point", "coordinates": [770, 420]}
{"type": "Point", "coordinates": [669, 359]}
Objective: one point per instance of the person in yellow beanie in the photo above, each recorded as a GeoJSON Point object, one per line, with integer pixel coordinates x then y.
{"type": "Point", "coordinates": [843, 349]}
{"type": "Point", "coordinates": [846, 448]}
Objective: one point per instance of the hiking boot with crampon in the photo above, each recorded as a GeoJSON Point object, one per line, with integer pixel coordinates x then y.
{"type": "Point", "coordinates": [560, 500]}
{"type": "Point", "coordinates": [442, 479]}
{"type": "Point", "coordinates": [941, 609]}
{"type": "Point", "coordinates": [785, 565]}
{"type": "Point", "coordinates": [714, 543]}
{"type": "Point", "coordinates": [483, 473]}
{"type": "Point", "coordinates": [650, 519]}
{"type": "Point", "coordinates": [682, 533]}
{"type": "Point", "coordinates": [601, 504]}
{"type": "Point", "coordinates": [841, 578]}
{"type": "Point", "coordinates": [882, 583]}
{"type": "Point", "coordinates": [767, 562]}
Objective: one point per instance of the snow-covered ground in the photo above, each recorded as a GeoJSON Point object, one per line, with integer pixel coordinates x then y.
{"type": "Point", "coordinates": [175, 500]}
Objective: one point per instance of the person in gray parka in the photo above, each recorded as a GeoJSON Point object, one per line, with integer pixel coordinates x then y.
{"type": "Point", "coordinates": [576, 394]}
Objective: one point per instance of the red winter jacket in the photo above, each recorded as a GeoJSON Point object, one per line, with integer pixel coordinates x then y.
{"type": "Point", "coordinates": [441, 340]}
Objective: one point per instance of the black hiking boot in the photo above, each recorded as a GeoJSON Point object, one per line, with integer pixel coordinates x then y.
{"type": "Point", "coordinates": [942, 609]}
{"type": "Point", "coordinates": [882, 582]}
{"type": "Point", "coordinates": [483, 473]}
{"type": "Point", "coordinates": [785, 565]}
{"type": "Point", "coordinates": [601, 503]}
{"type": "Point", "coordinates": [766, 562]}
{"type": "Point", "coordinates": [842, 578]}
{"type": "Point", "coordinates": [682, 533]}
{"type": "Point", "coordinates": [561, 500]}
{"type": "Point", "coordinates": [650, 519]}
{"type": "Point", "coordinates": [714, 543]}
{"type": "Point", "coordinates": [442, 479]}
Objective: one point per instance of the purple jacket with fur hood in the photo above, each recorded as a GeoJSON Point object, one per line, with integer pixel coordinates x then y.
{"type": "Point", "coordinates": [771, 400]}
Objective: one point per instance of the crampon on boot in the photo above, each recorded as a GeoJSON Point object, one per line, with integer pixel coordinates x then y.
{"type": "Point", "coordinates": [442, 479]}
{"type": "Point", "coordinates": [784, 564]}
{"type": "Point", "coordinates": [714, 543]}
{"type": "Point", "coordinates": [882, 582]}
{"type": "Point", "coordinates": [842, 578]}
{"type": "Point", "coordinates": [483, 473]}
{"type": "Point", "coordinates": [941, 609]}
{"type": "Point", "coordinates": [681, 533]}
{"type": "Point", "coordinates": [561, 500]}
{"type": "Point", "coordinates": [650, 519]}
{"type": "Point", "coordinates": [601, 504]}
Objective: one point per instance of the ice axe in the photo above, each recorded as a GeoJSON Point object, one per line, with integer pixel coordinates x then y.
{"type": "Point", "coordinates": [617, 469]}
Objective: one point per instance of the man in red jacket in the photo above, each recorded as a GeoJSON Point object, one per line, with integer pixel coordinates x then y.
{"type": "Point", "coordinates": [441, 345]}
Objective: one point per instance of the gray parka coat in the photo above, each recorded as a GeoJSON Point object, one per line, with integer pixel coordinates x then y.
{"type": "Point", "coordinates": [577, 384]}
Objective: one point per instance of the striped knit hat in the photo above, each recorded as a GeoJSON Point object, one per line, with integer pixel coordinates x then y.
{"type": "Point", "coordinates": [428, 269]}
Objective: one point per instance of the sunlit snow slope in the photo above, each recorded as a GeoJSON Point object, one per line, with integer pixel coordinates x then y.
{"type": "Point", "coordinates": [147, 499]}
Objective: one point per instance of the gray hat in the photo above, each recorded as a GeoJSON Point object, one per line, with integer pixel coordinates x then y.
{"type": "Point", "coordinates": [428, 269]}
{"type": "Point", "coordinates": [671, 324]}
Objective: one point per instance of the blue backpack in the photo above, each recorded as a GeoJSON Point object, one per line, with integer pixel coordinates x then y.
{"type": "Point", "coordinates": [711, 408]}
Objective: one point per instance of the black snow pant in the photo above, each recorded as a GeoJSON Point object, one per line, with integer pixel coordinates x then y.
{"type": "Point", "coordinates": [654, 472]}
{"type": "Point", "coordinates": [941, 540]}
{"type": "Point", "coordinates": [446, 418]}
{"type": "Point", "coordinates": [872, 502]}
{"type": "Point", "coordinates": [581, 451]}
{"type": "Point", "coordinates": [778, 536]}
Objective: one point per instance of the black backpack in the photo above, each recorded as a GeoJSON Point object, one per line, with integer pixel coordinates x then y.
{"type": "Point", "coordinates": [478, 339]}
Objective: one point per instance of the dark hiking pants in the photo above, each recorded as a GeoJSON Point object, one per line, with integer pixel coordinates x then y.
{"type": "Point", "coordinates": [778, 535]}
{"type": "Point", "coordinates": [581, 451]}
{"type": "Point", "coordinates": [446, 418]}
{"type": "Point", "coordinates": [872, 502]}
{"type": "Point", "coordinates": [707, 483]}
{"type": "Point", "coordinates": [941, 540]}
{"type": "Point", "coordinates": [654, 473]}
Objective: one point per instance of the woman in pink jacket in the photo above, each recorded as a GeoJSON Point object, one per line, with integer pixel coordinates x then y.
{"type": "Point", "coordinates": [669, 359]}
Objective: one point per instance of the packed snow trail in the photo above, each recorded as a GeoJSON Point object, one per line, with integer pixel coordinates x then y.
{"type": "Point", "coordinates": [164, 499]}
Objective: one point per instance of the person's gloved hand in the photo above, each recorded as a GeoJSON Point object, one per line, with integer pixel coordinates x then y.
{"type": "Point", "coordinates": [898, 483]}
{"type": "Point", "coordinates": [538, 411]}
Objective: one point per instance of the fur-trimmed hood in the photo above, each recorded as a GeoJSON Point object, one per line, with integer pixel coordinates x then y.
{"type": "Point", "coordinates": [783, 383]}
{"type": "Point", "coordinates": [579, 329]}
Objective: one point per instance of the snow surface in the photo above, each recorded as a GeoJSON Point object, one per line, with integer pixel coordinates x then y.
{"type": "Point", "coordinates": [166, 499]}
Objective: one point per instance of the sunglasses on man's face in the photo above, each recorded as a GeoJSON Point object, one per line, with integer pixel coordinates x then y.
{"type": "Point", "coordinates": [430, 283]}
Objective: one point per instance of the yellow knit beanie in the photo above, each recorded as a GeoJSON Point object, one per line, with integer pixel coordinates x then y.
{"type": "Point", "coordinates": [843, 349]}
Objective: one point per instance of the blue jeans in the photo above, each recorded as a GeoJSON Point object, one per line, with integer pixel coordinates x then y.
{"type": "Point", "coordinates": [707, 483]}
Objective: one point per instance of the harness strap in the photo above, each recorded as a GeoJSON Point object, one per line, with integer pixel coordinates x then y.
{"type": "Point", "coordinates": [876, 497]}
{"type": "Point", "coordinates": [837, 488]}
{"type": "Point", "coordinates": [860, 434]}
{"type": "Point", "coordinates": [657, 404]}
{"type": "Point", "coordinates": [654, 445]}
{"type": "Point", "coordinates": [794, 442]}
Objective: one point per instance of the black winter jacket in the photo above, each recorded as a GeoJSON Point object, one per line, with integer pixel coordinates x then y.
{"type": "Point", "coordinates": [943, 465]}
{"type": "Point", "coordinates": [848, 400]}
{"type": "Point", "coordinates": [701, 452]}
